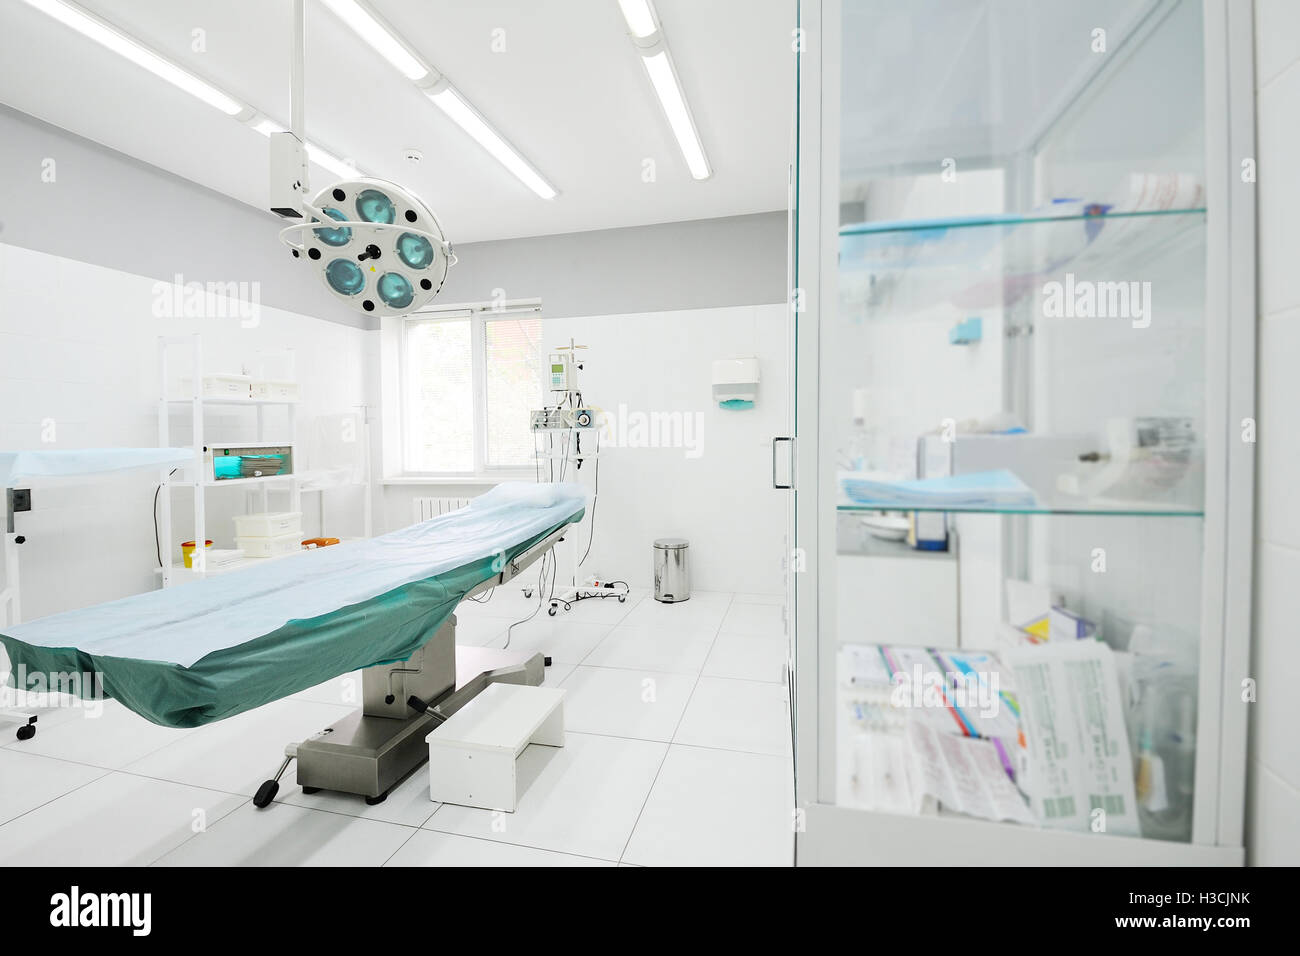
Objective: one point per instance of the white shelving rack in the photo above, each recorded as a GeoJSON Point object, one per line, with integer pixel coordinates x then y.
{"type": "Point", "coordinates": [198, 404]}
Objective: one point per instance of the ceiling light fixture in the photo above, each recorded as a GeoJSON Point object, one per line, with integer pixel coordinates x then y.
{"type": "Point", "coordinates": [460, 112]}
{"type": "Point", "coordinates": [108, 36]}
{"type": "Point", "coordinates": [640, 18]}
{"type": "Point", "coordinates": [321, 157]}
{"type": "Point", "coordinates": [374, 30]}
{"type": "Point", "coordinates": [648, 38]}
{"type": "Point", "coordinates": [365, 23]}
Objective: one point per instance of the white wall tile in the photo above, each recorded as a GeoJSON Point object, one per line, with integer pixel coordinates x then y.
{"type": "Point", "coordinates": [1277, 660]}
{"type": "Point", "coordinates": [1278, 138]}
{"type": "Point", "coordinates": [1273, 809]}
{"type": "Point", "coordinates": [78, 346]}
{"type": "Point", "coordinates": [1277, 439]}
{"type": "Point", "coordinates": [1273, 815]}
{"type": "Point", "coordinates": [1277, 38]}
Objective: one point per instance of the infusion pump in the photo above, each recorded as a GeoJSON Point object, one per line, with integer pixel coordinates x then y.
{"type": "Point", "coordinates": [563, 419]}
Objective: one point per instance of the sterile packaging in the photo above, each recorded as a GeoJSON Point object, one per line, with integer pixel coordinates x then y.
{"type": "Point", "coordinates": [215, 559]}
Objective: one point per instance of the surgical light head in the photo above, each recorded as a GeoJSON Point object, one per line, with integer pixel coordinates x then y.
{"type": "Point", "coordinates": [375, 245]}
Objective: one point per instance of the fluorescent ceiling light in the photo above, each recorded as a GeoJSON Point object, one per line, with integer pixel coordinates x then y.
{"type": "Point", "coordinates": [73, 16]}
{"type": "Point", "coordinates": [364, 24]}
{"type": "Point", "coordinates": [379, 35]}
{"type": "Point", "coordinates": [640, 18]}
{"type": "Point", "coordinates": [266, 127]}
{"type": "Point", "coordinates": [327, 160]}
{"type": "Point", "coordinates": [670, 95]}
{"type": "Point", "coordinates": [464, 116]}
{"type": "Point", "coordinates": [321, 157]}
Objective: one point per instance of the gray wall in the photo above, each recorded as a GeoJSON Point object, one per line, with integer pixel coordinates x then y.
{"type": "Point", "coordinates": [167, 225]}
{"type": "Point", "coordinates": [160, 224]}
{"type": "Point", "coordinates": [700, 264]}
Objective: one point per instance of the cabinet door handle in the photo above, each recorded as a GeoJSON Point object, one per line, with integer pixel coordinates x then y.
{"type": "Point", "coordinates": [775, 483]}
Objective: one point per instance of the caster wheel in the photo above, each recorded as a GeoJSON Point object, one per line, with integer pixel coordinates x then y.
{"type": "Point", "coordinates": [528, 592]}
{"type": "Point", "coordinates": [375, 801]}
{"type": "Point", "coordinates": [622, 599]}
{"type": "Point", "coordinates": [26, 732]}
{"type": "Point", "coordinates": [265, 794]}
{"type": "Point", "coordinates": [310, 790]}
{"type": "Point", "coordinates": [551, 611]}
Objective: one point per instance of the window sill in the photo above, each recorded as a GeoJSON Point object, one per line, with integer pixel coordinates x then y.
{"type": "Point", "coordinates": [492, 478]}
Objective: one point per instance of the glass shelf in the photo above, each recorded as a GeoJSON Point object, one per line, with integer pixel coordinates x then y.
{"type": "Point", "coordinates": [983, 262]}
{"type": "Point", "coordinates": [1137, 509]}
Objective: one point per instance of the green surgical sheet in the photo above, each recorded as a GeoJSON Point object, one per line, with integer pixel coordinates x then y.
{"type": "Point", "coordinates": [299, 655]}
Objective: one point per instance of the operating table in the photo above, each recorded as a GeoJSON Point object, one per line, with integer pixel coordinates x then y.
{"type": "Point", "coordinates": [200, 652]}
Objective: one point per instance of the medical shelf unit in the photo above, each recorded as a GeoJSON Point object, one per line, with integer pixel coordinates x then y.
{"type": "Point", "coordinates": [194, 476]}
{"type": "Point", "coordinates": [1074, 176]}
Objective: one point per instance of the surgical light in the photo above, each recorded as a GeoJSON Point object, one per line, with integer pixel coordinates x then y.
{"type": "Point", "coordinates": [650, 44]}
{"type": "Point", "coordinates": [467, 118]}
{"type": "Point", "coordinates": [71, 15]}
{"type": "Point", "coordinates": [365, 24]}
{"type": "Point", "coordinates": [376, 245]}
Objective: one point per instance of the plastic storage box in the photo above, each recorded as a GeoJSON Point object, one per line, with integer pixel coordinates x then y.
{"type": "Point", "coordinates": [269, 524]}
{"type": "Point", "coordinates": [220, 386]}
{"type": "Point", "coordinates": [269, 391]}
{"type": "Point", "coordinates": [270, 547]}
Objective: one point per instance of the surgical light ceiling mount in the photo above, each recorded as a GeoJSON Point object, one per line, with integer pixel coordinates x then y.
{"type": "Point", "coordinates": [377, 247]}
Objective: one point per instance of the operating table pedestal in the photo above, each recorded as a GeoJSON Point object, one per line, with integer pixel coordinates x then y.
{"type": "Point", "coordinates": [373, 748]}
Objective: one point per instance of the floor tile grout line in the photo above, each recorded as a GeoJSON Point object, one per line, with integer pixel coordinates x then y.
{"type": "Point", "coordinates": [409, 837]}
{"type": "Point", "coordinates": [526, 846]}
{"type": "Point", "coordinates": [674, 743]}
{"type": "Point", "coordinates": [59, 796]}
{"type": "Point", "coordinates": [207, 828]}
{"type": "Point", "coordinates": [669, 746]}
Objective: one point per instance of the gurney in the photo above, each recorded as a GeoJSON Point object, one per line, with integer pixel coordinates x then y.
{"type": "Point", "coordinates": [204, 651]}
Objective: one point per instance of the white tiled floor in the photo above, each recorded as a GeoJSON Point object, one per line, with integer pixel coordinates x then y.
{"type": "Point", "coordinates": [677, 753]}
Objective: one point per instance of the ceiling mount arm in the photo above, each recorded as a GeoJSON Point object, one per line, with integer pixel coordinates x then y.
{"type": "Point", "coordinates": [298, 72]}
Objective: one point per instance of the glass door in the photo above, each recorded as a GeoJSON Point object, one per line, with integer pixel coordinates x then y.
{"type": "Point", "coordinates": [1005, 339]}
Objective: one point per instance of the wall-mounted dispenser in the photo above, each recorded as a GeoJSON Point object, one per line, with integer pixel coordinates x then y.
{"type": "Point", "coordinates": [735, 382]}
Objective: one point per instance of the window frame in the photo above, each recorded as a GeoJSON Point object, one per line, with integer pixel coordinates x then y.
{"type": "Point", "coordinates": [479, 315]}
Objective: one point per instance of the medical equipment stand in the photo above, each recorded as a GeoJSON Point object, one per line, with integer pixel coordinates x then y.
{"type": "Point", "coordinates": [10, 600]}
{"type": "Point", "coordinates": [372, 749]}
{"type": "Point", "coordinates": [569, 416]}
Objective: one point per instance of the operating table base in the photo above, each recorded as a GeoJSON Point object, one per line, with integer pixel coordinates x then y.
{"type": "Point", "coordinates": [366, 754]}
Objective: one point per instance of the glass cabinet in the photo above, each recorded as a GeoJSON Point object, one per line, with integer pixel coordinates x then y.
{"type": "Point", "coordinates": [1023, 304]}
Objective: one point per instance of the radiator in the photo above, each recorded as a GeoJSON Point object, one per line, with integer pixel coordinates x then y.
{"type": "Point", "coordinates": [426, 508]}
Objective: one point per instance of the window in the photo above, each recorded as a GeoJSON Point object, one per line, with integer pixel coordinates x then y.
{"type": "Point", "coordinates": [469, 379]}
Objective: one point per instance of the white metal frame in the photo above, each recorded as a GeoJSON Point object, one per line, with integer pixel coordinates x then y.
{"type": "Point", "coordinates": [832, 834]}
{"type": "Point", "coordinates": [478, 314]}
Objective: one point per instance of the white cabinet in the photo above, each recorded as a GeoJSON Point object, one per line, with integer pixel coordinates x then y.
{"type": "Point", "coordinates": [1024, 309]}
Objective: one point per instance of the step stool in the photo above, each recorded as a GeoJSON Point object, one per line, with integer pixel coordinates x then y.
{"type": "Point", "coordinates": [472, 755]}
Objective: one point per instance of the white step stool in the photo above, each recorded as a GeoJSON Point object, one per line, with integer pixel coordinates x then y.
{"type": "Point", "coordinates": [472, 755]}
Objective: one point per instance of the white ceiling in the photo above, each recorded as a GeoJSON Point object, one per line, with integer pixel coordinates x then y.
{"type": "Point", "coordinates": [569, 92]}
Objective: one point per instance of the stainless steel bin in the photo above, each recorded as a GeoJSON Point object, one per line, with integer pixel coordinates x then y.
{"type": "Point", "coordinates": [672, 570]}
